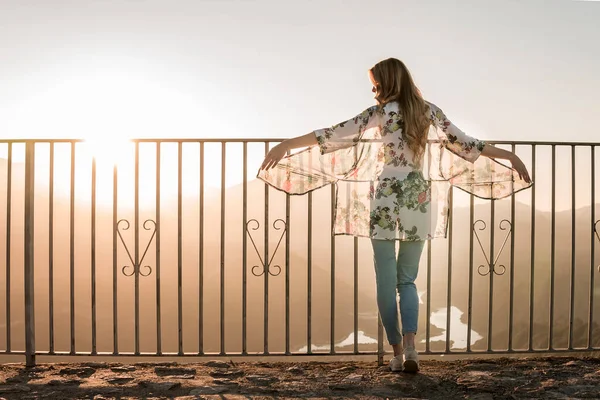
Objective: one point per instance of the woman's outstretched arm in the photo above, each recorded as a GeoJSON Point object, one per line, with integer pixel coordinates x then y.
{"type": "Point", "coordinates": [308, 140]}
{"type": "Point", "coordinates": [339, 136]}
{"type": "Point", "coordinates": [470, 148]}
{"type": "Point", "coordinates": [517, 164]}
{"type": "Point", "coordinates": [279, 151]}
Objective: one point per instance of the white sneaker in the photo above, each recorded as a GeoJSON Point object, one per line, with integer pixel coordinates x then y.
{"type": "Point", "coordinates": [396, 364]}
{"type": "Point", "coordinates": [411, 360]}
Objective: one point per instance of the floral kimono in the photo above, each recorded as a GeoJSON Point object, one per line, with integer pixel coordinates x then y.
{"type": "Point", "coordinates": [380, 192]}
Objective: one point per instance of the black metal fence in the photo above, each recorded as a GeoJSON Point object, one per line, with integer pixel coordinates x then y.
{"type": "Point", "coordinates": [171, 247]}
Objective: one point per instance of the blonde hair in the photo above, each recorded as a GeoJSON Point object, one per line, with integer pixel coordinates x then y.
{"type": "Point", "coordinates": [394, 83]}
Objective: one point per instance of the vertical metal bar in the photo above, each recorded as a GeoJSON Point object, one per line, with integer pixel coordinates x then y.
{"type": "Point", "coordinates": [179, 253]}
{"type": "Point", "coordinates": [266, 270]}
{"type": "Point", "coordinates": [449, 293]}
{"type": "Point", "coordinates": [532, 280]}
{"type": "Point", "coordinates": [137, 267]}
{"type": "Point", "coordinates": [201, 257]}
{"type": "Point", "coordinates": [244, 250]}
{"type": "Point", "coordinates": [51, 248]}
{"type": "Point", "coordinates": [471, 250]}
{"type": "Point", "coordinates": [332, 330]}
{"type": "Point", "coordinates": [93, 257]}
{"type": "Point", "coordinates": [287, 274]}
{"type": "Point", "coordinates": [552, 249]}
{"type": "Point", "coordinates": [29, 253]}
{"type": "Point", "coordinates": [222, 255]}
{"type": "Point", "coordinates": [309, 277]}
{"type": "Point", "coordinates": [157, 279]}
{"type": "Point", "coordinates": [72, 248]}
{"type": "Point", "coordinates": [491, 294]}
{"type": "Point", "coordinates": [592, 247]}
{"type": "Point", "coordinates": [355, 295]}
{"type": "Point", "coordinates": [8, 244]}
{"type": "Point", "coordinates": [380, 351]}
{"type": "Point", "coordinates": [115, 285]}
{"type": "Point", "coordinates": [355, 286]}
{"type": "Point", "coordinates": [573, 246]}
{"type": "Point", "coordinates": [512, 267]}
{"type": "Point", "coordinates": [428, 316]}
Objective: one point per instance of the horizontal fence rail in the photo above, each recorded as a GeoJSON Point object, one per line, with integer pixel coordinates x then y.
{"type": "Point", "coordinates": [171, 247]}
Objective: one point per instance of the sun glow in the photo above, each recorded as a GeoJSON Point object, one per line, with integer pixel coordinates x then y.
{"type": "Point", "coordinates": [107, 107]}
{"type": "Point", "coordinates": [110, 151]}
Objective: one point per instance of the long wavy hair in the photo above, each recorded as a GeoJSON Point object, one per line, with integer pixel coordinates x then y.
{"type": "Point", "coordinates": [394, 83]}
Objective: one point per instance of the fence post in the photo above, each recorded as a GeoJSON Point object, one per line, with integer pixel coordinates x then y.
{"type": "Point", "coordinates": [380, 350]}
{"type": "Point", "coordinates": [29, 276]}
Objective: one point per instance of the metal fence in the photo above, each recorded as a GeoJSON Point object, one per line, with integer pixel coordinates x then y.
{"type": "Point", "coordinates": [172, 248]}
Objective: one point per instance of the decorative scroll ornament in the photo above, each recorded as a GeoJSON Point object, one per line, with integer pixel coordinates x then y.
{"type": "Point", "coordinates": [492, 266]}
{"type": "Point", "coordinates": [259, 270]}
{"type": "Point", "coordinates": [148, 225]}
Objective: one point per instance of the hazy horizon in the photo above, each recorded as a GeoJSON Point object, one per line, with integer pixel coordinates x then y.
{"type": "Point", "coordinates": [101, 70]}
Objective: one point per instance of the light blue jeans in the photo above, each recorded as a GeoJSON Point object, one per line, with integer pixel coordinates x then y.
{"type": "Point", "coordinates": [397, 273]}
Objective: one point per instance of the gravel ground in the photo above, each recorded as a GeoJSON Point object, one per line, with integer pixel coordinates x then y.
{"type": "Point", "coordinates": [503, 378]}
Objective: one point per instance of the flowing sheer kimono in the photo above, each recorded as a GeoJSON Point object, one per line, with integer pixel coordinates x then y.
{"type": "Point", "coordinates": [380, 192]}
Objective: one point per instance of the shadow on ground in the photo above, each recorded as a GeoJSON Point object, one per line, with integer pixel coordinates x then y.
{"type": "Point", "coordinates": [548, 378]}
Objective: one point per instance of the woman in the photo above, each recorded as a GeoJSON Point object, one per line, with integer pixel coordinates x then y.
{"type": "Point", "coordinates": [393, 165]}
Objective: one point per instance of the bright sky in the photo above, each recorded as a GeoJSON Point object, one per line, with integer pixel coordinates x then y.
{"type": "Point", "coordinates": [505, 69]}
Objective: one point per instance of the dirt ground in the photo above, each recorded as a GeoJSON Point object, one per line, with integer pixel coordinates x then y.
{"type": "Point", "coordinates": [522, 378]}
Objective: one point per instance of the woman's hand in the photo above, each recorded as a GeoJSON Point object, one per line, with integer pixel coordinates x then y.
{"type": "Point", "coordinates": [521, 169]}
{"type": "Point", "coordinates": [517, 164]}
{"type": "Point", "coordinates": [279, 151]}
{"type": "Point", "coordinates": [275, 155]}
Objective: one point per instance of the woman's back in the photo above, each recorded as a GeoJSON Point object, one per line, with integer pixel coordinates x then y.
{"type": "Point", "coordinates": [396, 157]}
